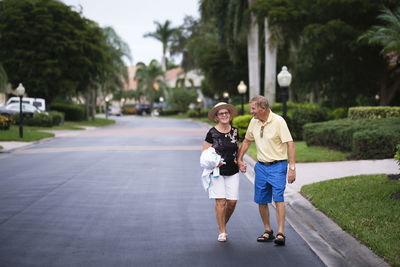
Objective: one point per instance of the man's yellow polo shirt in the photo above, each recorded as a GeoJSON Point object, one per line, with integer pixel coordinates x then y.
{"type": "Point", "coordinates": [272, 145]}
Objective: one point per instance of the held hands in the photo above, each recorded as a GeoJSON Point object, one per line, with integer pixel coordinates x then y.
{"type": "Point", "coordinates": [242, 166]}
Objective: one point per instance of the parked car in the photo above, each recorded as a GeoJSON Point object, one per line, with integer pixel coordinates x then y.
{"type": "Point", "coordinates": [114, 110]}
{"type": "Point", "coordinates": [11, 109]}
{"type": "Point", "coordinates": [142, 109]}
{"type": "Point", "coordinates": [40, 103]}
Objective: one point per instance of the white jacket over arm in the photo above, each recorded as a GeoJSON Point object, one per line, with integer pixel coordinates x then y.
{"type": "Point", "coordinates": [209, 161]}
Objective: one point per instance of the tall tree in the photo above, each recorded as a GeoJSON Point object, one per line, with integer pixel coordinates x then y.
{"type": "Point", "coordinates": [150, 79]}
{"type": "Point", "coordinates": [164, 33]}
{"type": "Point", "coordinates": [388, 37]}
{"type": "Point", "coordinates": [48, 47]}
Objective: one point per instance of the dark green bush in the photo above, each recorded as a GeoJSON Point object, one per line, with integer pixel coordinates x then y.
{"type": "Point", "coordinates": [397, 155]}
{"type": "Point", "coordinates": [358, 136]}
{"type": "Point", "coordinates": [191, 113]}
{"type": "Point", "coordinates": [338, 113]}
{"type": "Point", "coordinates": [374, 144]}
{"type": "Point", "coordinates": [302, 115]}
{"type": "Point", "coordinates": [373, 112]}
{"type": "Point", "coordinates": [57, 118]}
{"type": "Point", "coordinates": [72, 112]}
{"type": "Point", "coordinates": [39, 119]}
{"type": "Point", "coordinates": [241, 123]}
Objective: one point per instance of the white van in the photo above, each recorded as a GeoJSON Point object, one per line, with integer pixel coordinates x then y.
{"type": "Point", "coordinates": [40, 103]}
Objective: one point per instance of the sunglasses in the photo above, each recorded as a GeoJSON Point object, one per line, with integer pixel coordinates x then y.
{"type": "Point", "coordinates": [222, 113]}
{"type": "Point", "coordinates": [262, 131]}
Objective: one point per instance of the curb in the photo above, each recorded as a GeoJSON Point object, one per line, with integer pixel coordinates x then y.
{"type": "Point", "coordinates": [329, 242]}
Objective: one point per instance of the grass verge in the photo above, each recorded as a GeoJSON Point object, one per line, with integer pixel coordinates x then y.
{"type": "Point", "coordinates": [35, 133]}
{"type": "Point", "coordinates": [30, 134]}
{"type": "Point", "coordinates": [365, 206]}
{"type": "Point", "coordinates": [306, 153]}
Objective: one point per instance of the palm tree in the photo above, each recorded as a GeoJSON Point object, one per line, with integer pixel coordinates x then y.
{"type": "Point", "coordinates": [387, 36]}
{"type": "Point", "coordinates": [3, 79]}
{"type": "Point", "coordinates": [149, 79]}
{"type": "Point", "coordinates": [164, 34]}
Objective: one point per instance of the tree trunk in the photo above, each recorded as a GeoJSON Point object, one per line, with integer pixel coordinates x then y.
{"type": "Point", "coordinates": [270, 66]}
{"type": "Point", "coordinates": [386, 92]}
{"type": "Point", "coordinates": [164, 63]}
{"type": "Point", "coordinates": [253, 56]}
{"type": "Point", "coordinates": [93, 103]}
{"type": "Point", "coordinates": [87, 99]}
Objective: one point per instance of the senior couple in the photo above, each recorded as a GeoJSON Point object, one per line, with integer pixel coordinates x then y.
{"type": "Point", "coordinates": [271, 135]}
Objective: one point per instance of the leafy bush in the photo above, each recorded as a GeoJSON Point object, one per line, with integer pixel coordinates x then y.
{"type": "Point", "coordinates": [338, 113]}
{"type": "Point", "coordinates": [366, 138]}
{"type": "Point", "coordinates": [5, 122]}
{"type": "Point", "coordinates": [180, 98]}
{"type": "Point", "coordinates": [191, 113]}
{"type": "Point", "coordinates": [57, 118]}
{"type": "Point", "coordinates": [302, 115]}
{"type": "Point", "coordinates": [72, 112]}
{"type": "Point", "coordinates": [397, 155]}
{"type": "Point", "coordinates": [241, 123]}
{"type": "Point", "coordinates": [373, 112]}
{"type": "Point", "coordinates": [39, 119]}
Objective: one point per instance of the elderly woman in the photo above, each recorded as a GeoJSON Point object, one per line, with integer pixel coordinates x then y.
{"type": "Point", "coordinates": [224, 188]}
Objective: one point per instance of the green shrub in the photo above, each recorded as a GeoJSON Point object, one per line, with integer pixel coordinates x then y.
{"type": "Point", "coordinates": [373, 112]}
{"type": "Point", "coordinates": [191, 113]}
{"type": "Point", "coordinates": [338, 113]}
{"type": "Point", "coordinates": [374, 144]}
{"type": "Point", "coordinates": [397, 155]}
{"type": "Point", "coordinates": [357, 136]}
{"type": "Point", "coordinates": [5, 122]}
{"type": "Point", "coordinates": [246, 108]}
{"type": "Point", "coordinates": [39, 119]}
{"type": "Point", "coordinates": [57, 118]}
{"type": "Point", "coordinates": [302, 115]}
{"type": "Point", "coordinates": [72, 112]}
{"type": "Point", "coordinates": [241, 123]}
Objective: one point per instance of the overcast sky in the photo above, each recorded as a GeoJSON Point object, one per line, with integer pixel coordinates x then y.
{"type": "Point", "coordinates": [131, 19]}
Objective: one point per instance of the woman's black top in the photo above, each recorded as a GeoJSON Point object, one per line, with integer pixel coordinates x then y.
{"type": "Point", "coordinates": [226, 145]}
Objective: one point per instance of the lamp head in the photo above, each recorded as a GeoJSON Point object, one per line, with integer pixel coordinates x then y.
{"type": "Point", "coordinates": [284, 77]}
{"type": "Point", "coordinates": [20, 90]}
{"type": "Point", "coordinates": [242, 88]}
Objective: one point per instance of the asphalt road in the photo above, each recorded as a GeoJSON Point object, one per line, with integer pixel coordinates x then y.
{"type": "Point", "coordinates": [127, 195]}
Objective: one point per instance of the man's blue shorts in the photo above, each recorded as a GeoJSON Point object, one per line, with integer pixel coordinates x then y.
{"type": "Point", "coordinates": [270, 181]}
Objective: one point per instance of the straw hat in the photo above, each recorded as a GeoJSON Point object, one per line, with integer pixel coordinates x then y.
{"type": "Point", "coordinates": [221, 105]}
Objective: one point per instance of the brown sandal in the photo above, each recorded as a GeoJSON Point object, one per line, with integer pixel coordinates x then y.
{"type": "Point", "coordinates": [264, 238]}
{"type": "Point", "coordinates": [280, 241]}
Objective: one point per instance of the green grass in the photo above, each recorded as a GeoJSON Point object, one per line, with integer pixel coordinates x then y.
{"type": "Point", "coordinates": [34, 133]}
{"type": "Point", "coordinates": [30, 134]}
{"type": "Point", "coordinates": [365, 207]}
{"type": "Point", "coordinates": [306, 153]}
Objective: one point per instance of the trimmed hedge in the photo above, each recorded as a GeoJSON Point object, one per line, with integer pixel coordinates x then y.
{"type": "Point", "coordinates": [72, 112]}
{"type": "Point", "coordinates": [241, 123]}
{"type": "Point", "coordinates": [366, 138]}
{"type": "Point", "coordinates": [373, 112]}
{"type": "Point", "coordinates": [397, 155]}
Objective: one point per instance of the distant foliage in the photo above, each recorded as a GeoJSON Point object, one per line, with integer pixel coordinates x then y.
{"type": "Point", "coordinates": [373, 112]}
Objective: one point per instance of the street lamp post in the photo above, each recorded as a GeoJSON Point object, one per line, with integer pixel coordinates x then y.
{"type": "Point", "coordinates": [107, 100]}
{"type": "Point", "coordinates": [242, 88]}
{"type": "Point", "coordinates": [20, 92]}
{"type": "Point", "coordinates": [284, 80]}
{"type": "Point", "coordinates": [199, 105]}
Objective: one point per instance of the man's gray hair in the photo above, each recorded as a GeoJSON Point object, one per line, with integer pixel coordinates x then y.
{"type": "Point", "coordinates": [260, 101]}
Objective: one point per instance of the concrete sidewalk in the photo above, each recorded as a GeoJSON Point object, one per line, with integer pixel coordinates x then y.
{"type": "Point", "coordinates": [334, 246]}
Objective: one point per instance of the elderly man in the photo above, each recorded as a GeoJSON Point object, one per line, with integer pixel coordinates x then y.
{"type": "Point", "coordinates": [272, 137]}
